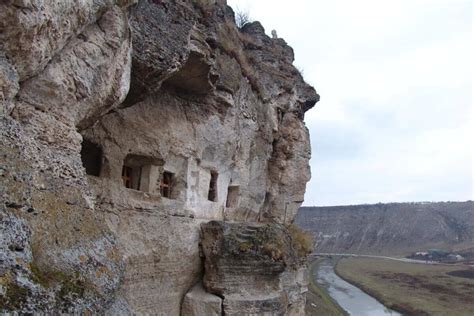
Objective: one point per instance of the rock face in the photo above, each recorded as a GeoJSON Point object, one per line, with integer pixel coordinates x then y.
{"type": "Point", "coordinates": [199, 302]}
{"type": "Point", "coordinates": [394, 228]}
{"type": "Point", "coordinates": [125, 126]}
{"type": "Point", "coordinates": [254, 267]}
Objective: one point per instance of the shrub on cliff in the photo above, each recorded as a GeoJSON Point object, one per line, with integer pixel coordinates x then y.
{"type": "Point", "coordinates": [242, 18]}
{"type": "Point", "coordinates": [301, 241]}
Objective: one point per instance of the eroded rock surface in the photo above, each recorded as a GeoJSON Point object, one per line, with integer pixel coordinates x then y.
{"type": "Point", "coordinates": [199, 302]}
{"type": "Point", "coordinates": [125, 125]}
{"type": "Point", "coordinates": [255, 268]}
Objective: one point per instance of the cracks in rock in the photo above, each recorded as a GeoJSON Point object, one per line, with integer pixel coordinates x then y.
{"type": "Point", "coordinates": [60, 49]}
{"type": "Point", "coordinates": [100, 27]}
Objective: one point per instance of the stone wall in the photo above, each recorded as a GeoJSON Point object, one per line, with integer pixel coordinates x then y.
{"type": "Point", "coordinates": [169, 96]}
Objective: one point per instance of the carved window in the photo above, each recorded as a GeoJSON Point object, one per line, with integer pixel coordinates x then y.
{"type": "Point", "coordinates": [91, 156]}
{"type": "Point", "coordinates": [127, 174]}
{"type": "Point", "coordinates": [232, 196]}
{"type": "Point", "coordinates": [137, 172]}
{"type": "Point", "coordinates": [166, 184]}
{"type": "Point", "coordinates": [212, 195]}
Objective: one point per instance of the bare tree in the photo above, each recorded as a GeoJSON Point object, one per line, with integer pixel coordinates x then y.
{"type": "Point", "coordinates": [242, 17]}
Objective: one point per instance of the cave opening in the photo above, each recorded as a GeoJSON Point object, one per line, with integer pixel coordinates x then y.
{"type": "Point", "coordinates": [232, 196]}
{"type": "Point", "coordinates": [91, 157]}
{"type": "Point", "coordinates": [136, 172]}
{"type": "Point", "coordinates": [127, 176]}
{"type": "Point", "coordinates": [212, 194]}
{"type": "Point", "coordinates": [166, 184]}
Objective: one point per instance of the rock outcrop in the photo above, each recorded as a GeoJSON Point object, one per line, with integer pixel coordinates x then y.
{"type": "Point", "coordinates": [255, 268]}
{"type": "Point", "coordinates": [199, 302]}
{"type": "Point", "coordinates": [125, 126]}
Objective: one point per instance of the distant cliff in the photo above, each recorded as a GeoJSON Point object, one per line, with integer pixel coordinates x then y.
{"type": "Point", "coordinates": [393, 228]}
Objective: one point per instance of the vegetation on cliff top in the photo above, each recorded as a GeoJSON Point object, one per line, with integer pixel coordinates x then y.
{"type": "Point", "coordinates": [286, 243]}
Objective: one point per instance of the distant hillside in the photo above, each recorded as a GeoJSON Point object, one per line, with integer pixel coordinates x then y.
{"type": "Point", "coordinates": [393, 228]}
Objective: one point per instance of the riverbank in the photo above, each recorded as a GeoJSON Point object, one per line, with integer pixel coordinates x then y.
{"type": "Point", "coordinates": [349, 297]}
{"type": "Point", "coordinates": [412, 289]}
{"type": "Point", "coordinates": [318, 301]}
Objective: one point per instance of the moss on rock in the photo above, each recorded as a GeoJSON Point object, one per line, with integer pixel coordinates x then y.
{"type": "Point", "coordinates": [14, 296]}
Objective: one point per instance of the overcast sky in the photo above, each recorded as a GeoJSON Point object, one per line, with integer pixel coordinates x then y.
{"type": "Point", "coordinates": [395, 120]}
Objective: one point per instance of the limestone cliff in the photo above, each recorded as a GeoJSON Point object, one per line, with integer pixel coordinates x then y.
{"type": "Point", "coordinates": [390, 228]}
{"type": "Point", "coordinates": [125, 126]}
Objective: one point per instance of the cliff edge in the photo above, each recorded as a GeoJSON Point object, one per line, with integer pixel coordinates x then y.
{"type": "Point", "coordinates": [131, 133]}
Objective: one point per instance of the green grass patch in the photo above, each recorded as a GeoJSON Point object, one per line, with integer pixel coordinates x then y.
{"type": "Point", "coordinates": [412, 289]}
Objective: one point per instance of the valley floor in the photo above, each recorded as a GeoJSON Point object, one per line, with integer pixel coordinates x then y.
{"type": "Point", "coordinates": [413, 289]}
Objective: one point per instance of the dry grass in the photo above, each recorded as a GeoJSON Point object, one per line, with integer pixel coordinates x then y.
{"type": "Point", "coordinates": [231, 41]}
{"type": "Point", "coordinates": [413, 289]}
{"type": "Point", "coordinates": [301, 240]}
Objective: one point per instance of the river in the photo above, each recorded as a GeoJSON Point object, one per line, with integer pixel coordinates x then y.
{"type": "Point", "coordinates": [349, 297]}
